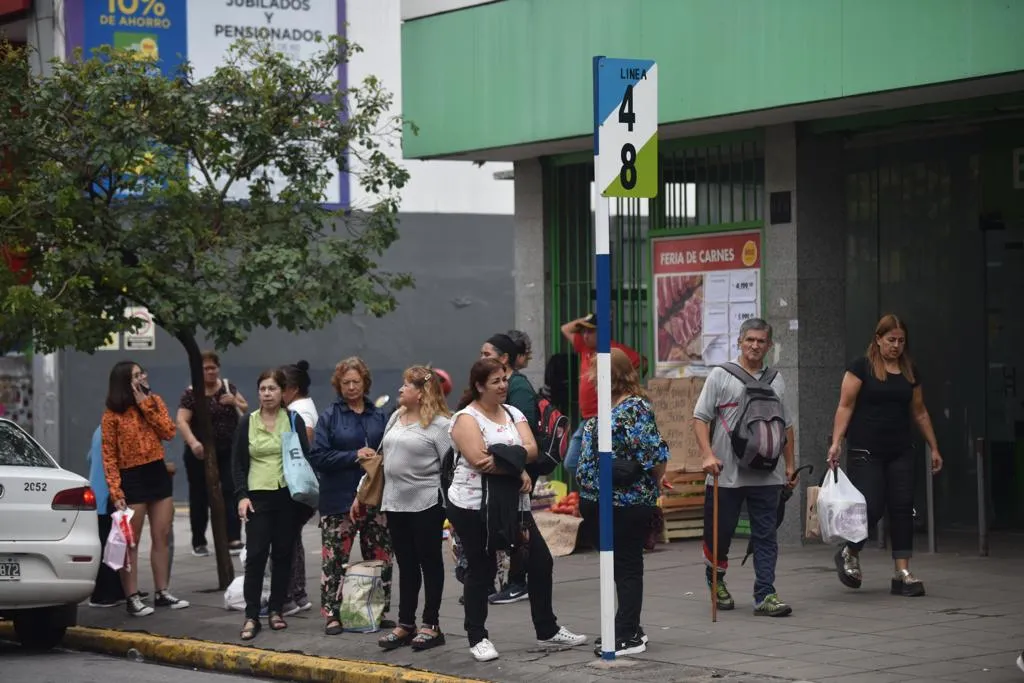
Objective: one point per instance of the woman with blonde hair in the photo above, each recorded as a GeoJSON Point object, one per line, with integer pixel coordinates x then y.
{"type": "Point", "coordinates": [415, 442]}
{"type": "Point", "coordinates": [880, 398]}
{"type": "Point", "coordinates": [347, 433]}
{"type": "Point", "coordinates": [640, 456]}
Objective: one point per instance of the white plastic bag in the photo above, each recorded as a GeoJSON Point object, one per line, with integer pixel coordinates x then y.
{"type": "Point", "coordinates": [234, 596]}
{"type": "Point", "coordinates": [842, 510]}
{"type": "Point", "coordinates": [120, 538]}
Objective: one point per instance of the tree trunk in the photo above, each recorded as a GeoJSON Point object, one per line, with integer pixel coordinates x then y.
{"type": "Point", "coordinates": [202, 421]}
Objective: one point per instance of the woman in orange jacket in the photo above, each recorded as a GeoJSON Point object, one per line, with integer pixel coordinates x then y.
{"type": "Point", "coordinates": [133, 425]}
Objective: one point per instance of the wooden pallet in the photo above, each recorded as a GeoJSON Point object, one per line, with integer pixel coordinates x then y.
{"type": "Point", "coordinates": [683, 506]}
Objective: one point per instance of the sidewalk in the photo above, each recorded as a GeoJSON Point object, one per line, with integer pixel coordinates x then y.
{"type": "Point", "coordinates": [970, 626]}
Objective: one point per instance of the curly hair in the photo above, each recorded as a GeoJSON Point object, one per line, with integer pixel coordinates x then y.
{"type": "Point", "coordinates": [625, 379]}
{"type": "Point", "coordinates": [432, 401]}
{"type": "Point", "coordinates": [352, 363]}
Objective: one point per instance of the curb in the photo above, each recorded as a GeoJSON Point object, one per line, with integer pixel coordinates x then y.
{"type": "Point", "coordinates": [234, 659]}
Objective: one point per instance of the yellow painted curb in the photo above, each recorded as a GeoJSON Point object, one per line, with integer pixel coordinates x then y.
{"type": "Point", "coordinates": [234, 659]}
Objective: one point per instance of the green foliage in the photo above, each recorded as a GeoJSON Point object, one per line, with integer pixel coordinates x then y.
{"type": "Point", "coordinates": [201, 199]}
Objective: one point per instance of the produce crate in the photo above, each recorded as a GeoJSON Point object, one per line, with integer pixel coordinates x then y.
{"type": "Point", "coordinates": [683, 506]}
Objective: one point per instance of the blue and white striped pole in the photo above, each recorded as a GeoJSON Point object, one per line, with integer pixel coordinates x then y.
{"type": "Point", "coordinates": [604, 393]}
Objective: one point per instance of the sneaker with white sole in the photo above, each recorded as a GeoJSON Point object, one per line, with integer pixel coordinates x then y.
{"type": "Point", "coordinates": [201, 551]}
{"type": "Point", "coordinates": [1020, 660]}
{"type": "Point", "coordinates": [633, 645]}
{"type": "Point", "coordinates": [136, 607]}
{"type": "Point", "coordinates": [105, 603]}
{"type": "Point", "coordinates": [643, 636]}
{"type": "Point", "coordinates": [290, 609]}
{"type": "Point", "coordinates": [165, 599]}
{"type": "Point", "coordinates": [565, 638]}
{"type": "Point", "coordinates": [508, 595]}
{"type": "Point", "coordinates": [484, 651]}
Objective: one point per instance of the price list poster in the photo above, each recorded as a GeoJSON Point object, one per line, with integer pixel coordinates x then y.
{"type": "Point", "coordinates": [705, 286]}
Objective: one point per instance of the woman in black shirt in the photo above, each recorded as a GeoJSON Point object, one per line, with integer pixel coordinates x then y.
{"type": "Point", "coordinates": [880, 398]}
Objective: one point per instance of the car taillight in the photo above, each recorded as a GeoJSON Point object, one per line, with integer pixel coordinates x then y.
{"type": "Point", "coordinates": [75, 499]}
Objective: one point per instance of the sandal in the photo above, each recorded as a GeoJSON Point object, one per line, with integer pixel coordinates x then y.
{"type": "Point", "coordinates": [401, 635]}
{"type": "Point", "coordinates": [277, 622]}
{"type": "Point", "coordinates": [250, 628]}
{"type": "Point", "coordinates": [428, 637]}
{"type": "Point", "coordinates": [333, 628]}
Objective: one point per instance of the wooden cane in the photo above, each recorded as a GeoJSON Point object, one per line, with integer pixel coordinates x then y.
{"type": "Point", "coordinates": [714, 551]}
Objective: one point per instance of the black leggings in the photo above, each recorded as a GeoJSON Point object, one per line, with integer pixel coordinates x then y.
{"type": "Point", "coordinates": [416, 541]}
{"type": "Point", "coordinates": [199, 500]}
{"type": "Point", "coordinates": [270, 531]}
{"type": "Point", "coordinates": [887, 482]}
{"type": "Point", "coordinates": [481, 567]}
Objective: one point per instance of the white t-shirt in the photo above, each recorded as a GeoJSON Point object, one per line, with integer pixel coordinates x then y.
{"type": "Point", "coordinates": [466, 490]}
{"type": "Point", "coordinates": [306, 410]}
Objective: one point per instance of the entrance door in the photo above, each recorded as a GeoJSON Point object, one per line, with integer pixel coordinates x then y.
{"type": "Point", "coordinates": [915, 249]}
{"type": "Point", "coordinates": [1004, 286]}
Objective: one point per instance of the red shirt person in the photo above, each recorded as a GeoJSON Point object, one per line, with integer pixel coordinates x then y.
{"type": "Point", "coordinates": [582, 333]}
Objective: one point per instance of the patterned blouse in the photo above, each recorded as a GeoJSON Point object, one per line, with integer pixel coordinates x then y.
{"type": "Point", "coordinates": [634, 436]}
{"type": "Point", "coordinates": [132, 438]}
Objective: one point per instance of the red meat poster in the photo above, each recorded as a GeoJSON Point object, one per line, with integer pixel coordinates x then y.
{"type": "Point", "coordinates": [705, 286]}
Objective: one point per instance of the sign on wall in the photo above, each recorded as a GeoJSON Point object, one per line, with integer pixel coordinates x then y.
{"type": "Point", "coordinates": [144, 337]}
{"type": "Point", "coordinates": [201, 31]}
{"type": "Point", "coordinates": [705, 286]}
{"type": "Point", "coordinates": [626, 116]}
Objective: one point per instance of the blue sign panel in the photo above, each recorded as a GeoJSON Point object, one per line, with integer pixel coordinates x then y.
{"type": "Point", "coordinates": [157, 29]}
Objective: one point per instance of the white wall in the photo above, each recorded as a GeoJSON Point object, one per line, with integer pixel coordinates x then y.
{"type": "Point", "coordinates": [434, 186]}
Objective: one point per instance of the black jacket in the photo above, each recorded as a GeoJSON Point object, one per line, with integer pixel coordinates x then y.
{"type": "Point", "coordinates": [500, 503]}
{"type": "Point", "coordinates": [240, 456]}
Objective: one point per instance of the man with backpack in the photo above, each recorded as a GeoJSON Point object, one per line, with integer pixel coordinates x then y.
{"type": "Point", "coordinates": [745, 436]}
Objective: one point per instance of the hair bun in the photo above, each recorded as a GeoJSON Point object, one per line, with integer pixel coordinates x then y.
{"type": "Point", "coordinates": [302, 365]}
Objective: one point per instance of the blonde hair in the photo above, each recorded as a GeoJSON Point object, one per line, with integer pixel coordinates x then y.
{"type": "Point", "coordinates": [887, 324]}
{"type": "Point", "coordinates": [432, 401]}
{"type": "Point", "coordinates": [625, 378]}
{"type": "Point", "coordinates": [352, 363]}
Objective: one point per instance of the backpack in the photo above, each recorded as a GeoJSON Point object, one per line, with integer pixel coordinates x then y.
{"type": "Point", "coordinates": [447, 473]}
{"type": "Point", "coordinates": [552, 434]}
{"type": "Point", "coordinates": [759, 436]}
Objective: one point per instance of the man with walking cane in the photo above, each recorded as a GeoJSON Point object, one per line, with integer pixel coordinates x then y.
{"type": "Point", "coordinates": [745, 434]}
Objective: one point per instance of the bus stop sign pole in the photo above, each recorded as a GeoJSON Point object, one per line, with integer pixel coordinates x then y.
{"type": "Point", "coordinates": [625, 165]}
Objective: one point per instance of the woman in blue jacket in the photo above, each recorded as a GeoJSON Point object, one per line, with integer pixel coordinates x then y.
{"type": "Point", "coordinates": [349, 431]}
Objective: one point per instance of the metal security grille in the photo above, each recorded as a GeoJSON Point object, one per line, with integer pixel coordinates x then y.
{"type": "Point", "coordinates": [706, 185]}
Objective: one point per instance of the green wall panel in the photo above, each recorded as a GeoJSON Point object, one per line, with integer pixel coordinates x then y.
{"type": "Point", "coordinates": [518, 71]}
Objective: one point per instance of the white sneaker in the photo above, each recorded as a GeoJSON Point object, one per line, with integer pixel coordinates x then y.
{"type": "Point", "coordinates": [136, 607]}
{"type": "Point", "coordinates": [165, 599]}
{"type": "Point", "coordinates": [1020, 660]}
{"type": "Point", "coordinates": [484, 651]}
{"type": "Point", "coordinates": [564, 637]}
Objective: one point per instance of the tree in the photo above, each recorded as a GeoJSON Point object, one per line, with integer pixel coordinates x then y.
{"type": "Point", "coordinates": [200, 199]}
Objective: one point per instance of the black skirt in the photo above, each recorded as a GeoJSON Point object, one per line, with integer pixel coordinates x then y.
{"type": "Point", "coordinates": [146, 483]}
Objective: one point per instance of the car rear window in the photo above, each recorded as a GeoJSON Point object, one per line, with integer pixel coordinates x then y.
{"type": "Point", "coordinates": [17, 449]}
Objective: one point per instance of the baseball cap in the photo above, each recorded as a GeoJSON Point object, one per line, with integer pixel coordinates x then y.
{"type": "Point", "coordinates": [588, 323]}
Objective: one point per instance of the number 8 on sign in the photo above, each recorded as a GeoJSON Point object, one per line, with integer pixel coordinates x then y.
{"type": "Point", "coordinates": [626, 127]}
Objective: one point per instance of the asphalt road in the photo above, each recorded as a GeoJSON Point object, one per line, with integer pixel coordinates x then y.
{"type": "Point", "coordinates": [18, 666]}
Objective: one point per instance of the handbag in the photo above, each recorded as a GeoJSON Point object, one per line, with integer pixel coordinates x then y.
{"type": "Point", "coordinates": [298, 474]}
{"type": "Point", "coordinates": [371, 486]}
{"type": "Point", "coordinates": [227, 388]}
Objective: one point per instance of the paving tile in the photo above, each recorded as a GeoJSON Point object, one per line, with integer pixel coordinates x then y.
{"type": "Point", "coordinates": [868, 677]}
{"type": "Point", "coordinates": [937, 669]}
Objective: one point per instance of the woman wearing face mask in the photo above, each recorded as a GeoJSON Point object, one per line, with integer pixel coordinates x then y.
{"type": "Point", "coordinates": [349, 431]}
{"type": "Point", "coordinates": [133, 425]}
{"type": "Point", "coordinates": [414, 444]}
{"type": "Point", "coordinates": [264, 502]}
{"type": "Point", "coordinates": [880, 399]}
{"type": "Point", "coordinates": [296, 397]}
{"type": "Point", "coordinates": [485, 426]}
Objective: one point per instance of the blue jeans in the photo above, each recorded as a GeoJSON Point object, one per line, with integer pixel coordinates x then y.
{"type": "Point", "coordinates": [763, 509]}
{"type": "Point", "coordinates": [572, 454]}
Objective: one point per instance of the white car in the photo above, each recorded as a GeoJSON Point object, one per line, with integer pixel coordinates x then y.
{"type": "Point", "coordinates": [49, 540]}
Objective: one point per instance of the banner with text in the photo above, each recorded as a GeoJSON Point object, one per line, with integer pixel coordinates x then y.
{"type": "Point", "coordinates": [705, 286]}
{"type": "Point", "coordinates": [201, 32]}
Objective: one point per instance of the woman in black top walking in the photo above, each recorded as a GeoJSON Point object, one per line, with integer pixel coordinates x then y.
{"type": "Point", "coordinates": [880, 398]}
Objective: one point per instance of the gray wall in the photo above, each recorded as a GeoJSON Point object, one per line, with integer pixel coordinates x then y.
{"type": "Point", "coordinates": [463, 265]}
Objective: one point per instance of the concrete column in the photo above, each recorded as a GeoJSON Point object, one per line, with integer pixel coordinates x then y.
{"type": "Point", "coordinates": [529, 262]}
{"type": "Point", "coordinates": [821, 289]}
{"type": "Point", "coordinates": [781, 304]}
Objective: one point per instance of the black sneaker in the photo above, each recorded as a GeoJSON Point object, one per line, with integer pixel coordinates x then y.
{"type": "Point", "coordinates": [643, 636]}
{"type": "Point", "coordinates": [201, 551]}
{"type": "Point", "coordinates": [165, 599]}
{"type": "Point", "coordinates": [105, 603]}
{"type": "Point", "coordinates": [136, 607]}
{"type": "Point", "coordinates": [633, 645]}
{"type": "Point", "coordinates": [509, 594]}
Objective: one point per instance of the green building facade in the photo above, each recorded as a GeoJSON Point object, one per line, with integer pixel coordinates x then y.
{"type": "Point", "coordinates": [873, 149]}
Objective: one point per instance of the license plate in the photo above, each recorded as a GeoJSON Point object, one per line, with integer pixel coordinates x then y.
{"type": "Point", "coordinates": [10, 570]}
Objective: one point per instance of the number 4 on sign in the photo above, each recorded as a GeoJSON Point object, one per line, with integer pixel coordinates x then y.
{"type": "Point", "coordinates": [626, 114]}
